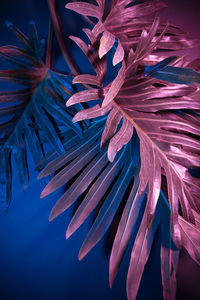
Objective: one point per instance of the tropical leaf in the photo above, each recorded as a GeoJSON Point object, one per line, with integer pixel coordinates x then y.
{"type": "Point", "coordinates": [89, 176]}
{"type": "Point", "coordinates": [172, 74]}
{"type": "Point", "coordinates": [165, 117]}
{"type": "Point", "coordinates": [98, 180]}
{"type": "Point", "coordinates": [125, 22]}
{"type": "Point", "coordinates": [151, 131]}
{"type": "Point", "coordinates": [34, 113]}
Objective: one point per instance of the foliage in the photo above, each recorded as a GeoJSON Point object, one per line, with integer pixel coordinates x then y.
{"type": "Point", "coordinates": [32, 114]}
{"type": "Point", "coordinates": [136, 159]}
{"type": "Point", "coordinates": [150, 101]}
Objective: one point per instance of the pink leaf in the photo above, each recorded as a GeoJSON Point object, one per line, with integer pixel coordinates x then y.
{"type": "Point", "coordinates": [83, 96]}
{"type": "Point", "coordinates": [111, 125]}
{"type": "Point", "coordinates": [190, 238]}
{"type": "Point", "coordinates": [85, 9]}
{"type": "Point", "coordinates": [121, 138]}
{"type": "Point", "coordinates": [119, 54]}
{"type": "Point", "coordinates": [92, 112]}
{"type": "Point", "coordinates": [106, 43]}
{"type": "Point", "coordinates": [87, 79]}
{"type": "Point", "coordinates": [115, 86]}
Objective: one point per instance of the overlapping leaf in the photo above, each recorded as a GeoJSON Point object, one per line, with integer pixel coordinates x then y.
{"type": "Point", "coordinates": [100, 182]}
{"type": "Point", "coordinates": [149, 112]}
{"type": "Point", "coordinates": [32, 114]}
{"type": "Point", "coordinates": [89, 176]}
{"type": "Point", "coordinates": [125, 21]}
{"type": "Point", "coordinates": [165, 117]}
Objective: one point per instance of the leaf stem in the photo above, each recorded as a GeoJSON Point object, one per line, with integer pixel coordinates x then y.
{"type": "Point", "coordinates": [72, 65]}
{"type": "Point", "coordinates": [49, 45]}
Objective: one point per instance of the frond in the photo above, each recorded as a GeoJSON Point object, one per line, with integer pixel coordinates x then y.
{"type": "Point", "coordinates": [125, 22]}
{"type": "Point", "coordinates": [98, 180]}
{"type": "Point", "coordinates": [164, 115]}
{"type": "Point", "coordinates": [33, 114]}
{"type": "Point", "coordinates": [136, 159]}
{"type": "Point", "coordinates": [88, 175]}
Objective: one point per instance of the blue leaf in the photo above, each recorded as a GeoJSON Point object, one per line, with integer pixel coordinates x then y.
{"type": "Point", "coordinates": [171, 74]}
{"type": "Point", "coordinates": [150, 70]}
{"type": "Point", "coordinates": [178, 75]}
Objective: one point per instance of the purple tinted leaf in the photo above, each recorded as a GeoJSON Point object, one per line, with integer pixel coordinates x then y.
{"type": "Point", "coordinates": [136, 11]}
{"type": "Point", "coordinates": [190, 238]}
{"type": "Point", "coordinates": [89, 203]}
{"type": "Point", "coordinates": [77, 164]}
{"type": "Point", "coordinates": [106, 43]}
{"type": "Point", "coordinates": [139, 257]}
{"type": "Point", "coordinates": [90, 35]}
{"type": "Point", "coordinates": [70, 155]}
{"type": "Point", "coordinates": [101, 3]}
{"type": "Point", "coordinates": [154, 185]}
{"type": "Point", "coordinates": [85, 9]}
{"type": "Point", "coordinates": [121, 138]}
{"type": "Point", "coordinates": [92, 112]}
{"type": "Point", "coordinates": [108, 210]}
{"type": "Point", "coordinates": [80, 43]}
{"type": "Point", "coordinates": [165, 254]}
{"type": "Point", "coordinates": [87, 79]}
{"type": "Point", "coordinates": [115, 86]}
{"type": "Point", "coordinates": [78, 187]}
{"type": "Point", "coordinates": [83, 96]}
{"type": "Point", "coordinates": [125, 229]}
{"type": "Point", "coordinates": [168, 145]}
{"type": "Point", "coordinates": [112, 122]}
{"type": "Point", "coordinates": [119, 54]}
{"type": "Point", "coordinates": [195, 64]}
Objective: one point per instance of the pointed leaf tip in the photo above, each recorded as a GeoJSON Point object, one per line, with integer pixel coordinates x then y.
{"type": "Point", "coordinates": [68, 103]}
{"type": "Point", "coordinates": [111, 278]}
{"type": "Point", "coordinates": [84, 8]}
{"type": "Point", "coordinates": [53, 214]}
{"type": "Point", "coordinates": [40, 176]}
{"type": "Point", "coordinates": [68, 233]}
{"type": "Point", "coordinates": [42, 195]}
{"type": "Point", "coordinates": [119, 54]}
{"type": "Point", "coordinates": [75, 119]}
{"type": "Point", "coordinates": [106, 43]}
{"type": "Point", "coordinates": [45, 192]}
{"type": "Point", "coordinates": [50, 218]}
{"type": "Point", "coordinates": [81, 255]}
{"type": "Point", "coordinates": [71, 229]}
{"type": "Point", "coordinates": [67, 6]}
{"type": "Point", "coordinates": [111, 156]}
